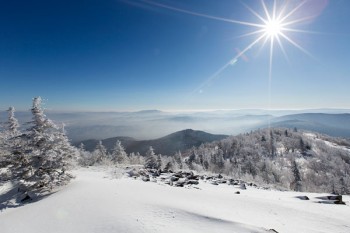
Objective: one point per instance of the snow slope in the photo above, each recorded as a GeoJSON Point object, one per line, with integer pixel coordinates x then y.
{"type": "Point", "coordinates": [96, 202]}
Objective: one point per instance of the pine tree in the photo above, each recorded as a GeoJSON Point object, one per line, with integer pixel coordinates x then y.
{"type": "Point", "coordinates": [86, 158]}
{"type": "Point", "coordinates": [100, 153]}
{"type": "Point", "coordinates": [159, 162]}
{"type": "Point", "coordinates": [46, 156]}
{"type": "Point", "coordinates": [118, 154]}
{"type": "Point", "coordinates": [178, 159]}
{"type": "Point", "coordinates": [13, 146]}
{"type": "Point", "coordinates": [151, 160]}
{"type": "Point", "coordinates": [12, 124]}
{"type": "Point", "coordinates": [296, 184]}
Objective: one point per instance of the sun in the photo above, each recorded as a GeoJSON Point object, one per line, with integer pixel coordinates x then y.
{"type": "Point", "coordinates": [273, 28]}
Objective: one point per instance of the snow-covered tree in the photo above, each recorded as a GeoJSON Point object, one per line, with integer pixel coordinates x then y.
{"type": "Point", "coordinates": [178, 160]}
{"type": "Point", "coordinates": [151, 159]}
{"type": "Point", "coordinates": [100, 153]}
{"type": "Point", "coordinates": [46, 155]}
{"type": "Point", "coordinates": [11, 144]}
{"type": "Point", "coordinates": [12, 124]}
{"type": "Point", "coordinates": [10, 133]}
{"type": "Point", "coordinates": [118, 153]}
{"type": "Point", "coordinates": [85, 157]}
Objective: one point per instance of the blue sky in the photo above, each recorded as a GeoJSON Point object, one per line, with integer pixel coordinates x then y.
{"type": "Point", "coordinates": [131, 55]}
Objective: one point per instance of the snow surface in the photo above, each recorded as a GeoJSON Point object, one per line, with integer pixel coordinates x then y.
{"type": "Point", "coordinates": [98, 202]}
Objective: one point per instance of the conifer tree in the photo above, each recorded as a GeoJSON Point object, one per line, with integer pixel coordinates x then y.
{"type": "Point", "coordinates": [151, 160]}
{"type": "Point", "coordinates": [100, 152]}
{"type": "Point", "coordinates": [46, 156]}
{"type": "Point", "coordinates": [12, 124]}
{"type": "Point", "coordinates": [11, 144]}
{"type": "Point", "coordinates": [118, 154]}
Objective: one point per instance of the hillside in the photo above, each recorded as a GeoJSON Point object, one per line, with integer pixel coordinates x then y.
{"type": "Point", "coordinates": [168, 145]}
{"type": "Point", "coordinates": [98, 202]}
{"type": "Point", "coordinates": [279, 157]}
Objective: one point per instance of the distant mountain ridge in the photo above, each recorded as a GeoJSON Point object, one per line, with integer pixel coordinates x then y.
{"type": "Point", "coordinates": [167, 145]}
{"type": "Point", "coordinates": [150, 124]}
{"type": "Point", "coordinates": [337, 125]}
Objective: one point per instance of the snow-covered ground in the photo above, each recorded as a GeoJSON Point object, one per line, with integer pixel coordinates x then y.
{"type": "Point", "coordinates": [97, 202]}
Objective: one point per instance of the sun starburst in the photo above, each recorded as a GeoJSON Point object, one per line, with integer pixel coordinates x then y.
{"type": "Point", "coordinates": [273, 27]}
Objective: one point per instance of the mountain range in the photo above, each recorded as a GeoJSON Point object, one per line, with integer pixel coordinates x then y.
{"type": "Point", "coordinates": [150, 124]}
{"type": "Point", "coordinates": [168, 145]}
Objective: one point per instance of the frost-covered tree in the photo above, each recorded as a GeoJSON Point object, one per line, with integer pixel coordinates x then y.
{"type": "Point", "coordinates": [46, 155]}
{"type": "Point", "coordinates": [12, 124]}
{"type": "Point", "coordinates": [118, 153]}
{"type": "Point", "coordinates": [178, 160]}
{"type": "Point", "coordinates": [85, 157]}
{"type": "Point", "coordinates": [11, 144]}
{"type": "Point", "coordinates": [136, 159]}
{"type": "Point", "coordinates": [11, 132]}
{"type": "Point", "coordinates": [100, 153]}
{"type": "Point", "coordinates": [159, 162]}
{"type": "Point", "coordinates": [151, 159]}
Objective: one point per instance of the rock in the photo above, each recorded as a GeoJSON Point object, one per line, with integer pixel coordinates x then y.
{"type": "Point", "coordinates": [339, 203]}
{"type": "Point", "coordinates": [237, 192]}
{"type": "Point", "coordinates": [179, 184]}
{"type": "Point", "coordinates": [145, 178]}
{"type": "Point", "coordinates": [220, 176]}
{"type": "Point", "coordinates": [214, 183]}
{"type": "Point", "coordinates": [168, 182]}
{"type": "Point", "coordinates": [133, 173]}
{"type": "Point", "coordinates": [243, 186]}
{"type": "Point", "coordinates": [303, 197]}
{"type": "Point", "coordinates": [187, 174]}
{"type": "Point", "coordinates": [178, 174]}
{"type": "Point", "coordinates": [174, 178]}
{"type": "Point", "coordinates": [25, 197]}
{"type": "Point", "coordinates": [192, 182]}
{"type": "Point", "coordinates": [193, 177]}
{"type": "Point", "coordinates": [273, 230]}
{"type": "Point", "coordinates": [338, 199]}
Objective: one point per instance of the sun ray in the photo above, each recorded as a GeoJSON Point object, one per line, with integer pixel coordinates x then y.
{"type": "Point", "coordinates": [200, 14]}
{"type": "Point", "coordinates": [299, 20]}
{"type": "Point", "coordinates": [255, 13]}
{"type": "Point", "coordinates": [266, 11]}
{"type": "Point", "coordinates": [283, 9]}
{"type": "Point", "coordinates": [301, 31]}
{"type": "Point", "coordinates": [274, 10]}
{"type": "Point", "coordinates": [251, 33]}
{"type": "Point", "coordinates": [293, 11]}
{"type": "Point", "coordinates": [219, 71]}
{"type": "Point", "coordinates": [297, 46]}
{"type": "Point", "coordinates": [282, 49]}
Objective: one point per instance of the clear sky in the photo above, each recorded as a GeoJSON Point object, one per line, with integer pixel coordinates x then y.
{"type": "Point", "coordinates": [116, 55]}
